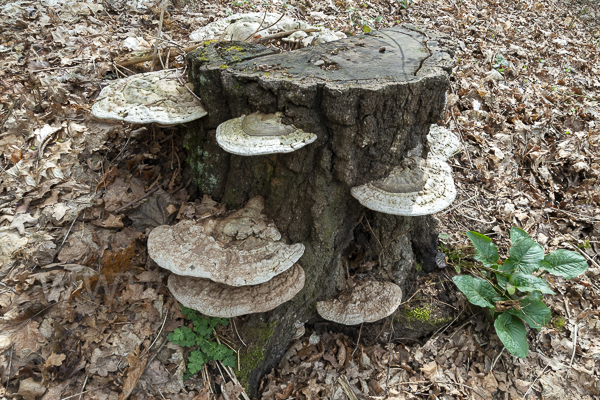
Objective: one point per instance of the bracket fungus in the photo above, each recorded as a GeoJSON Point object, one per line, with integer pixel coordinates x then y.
{"type": "Point", "coordinates": [443, 144]}
{"type": "Point", "coordinates": [416, 187]}
{"type": "Point", "coordinates": [242, 26]}
{"type": "Point", "coordinates": [152, 97]}
{"type": "Point", "coordinates": [367, 301]}
{"type": "Point", "coordinates": [259, 133]}
{"type": "Point", "coordinates": [223, 301]}
{"type": "Point", "coordinates": [240, 249]}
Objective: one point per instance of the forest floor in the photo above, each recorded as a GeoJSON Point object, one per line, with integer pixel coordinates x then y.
{"type": "Point", "coordinates": [84, 314]}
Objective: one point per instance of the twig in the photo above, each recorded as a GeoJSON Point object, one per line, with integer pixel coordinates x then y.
{"type": "Point", "coordinates": [118, 210]}
{"type": "Point", "coordinates": [257, 28]}
{"type": "Point", "coordinates": [284, 34]}
{"type": "Point", "coordinates": [236, 332]}
{"type": "Point", "coordinates": [408, 301]}
{"type": "Point", "coordinates": [387, 378]}
{"type": "Point", "coordinates": [77, 394]}
{"type": "Point", "coordinates": [343, 381]}
{"type": "Point", "coordinates": [157, 336]}
{"type": "Point", "coordinates": [460, 204]}
{"type": "Point", "coordinates": [83, 387]}
{"type": "Point", "coordinates": [8, 113]}
{"type": "Point", "coordinates": [462, 139]}
{"type": "Point", "coordinates": [496, 359]}
{"type": "Point", "coordinates": [445, 383]}
{"type": "Point", "coordinates": [357, 340]}
{"type": "Point", "coordinates": [574, 349]}
{"type": "Point", "coordinates": [536, 379]}
{"type": "Point", "coordinates": [69, 231]}
{"type": "Point", "coordinates": [159, 33]}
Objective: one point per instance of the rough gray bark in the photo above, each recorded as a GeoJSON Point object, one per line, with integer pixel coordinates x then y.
{"type": "Point", "coordinates": [370, 99]}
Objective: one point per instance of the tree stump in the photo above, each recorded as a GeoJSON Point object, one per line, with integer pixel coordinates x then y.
{"type": "Point", "coordinates": [370, 99]}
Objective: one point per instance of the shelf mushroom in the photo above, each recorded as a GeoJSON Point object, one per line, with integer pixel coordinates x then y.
{"type": "Point", "coordinates": [367, 301]}
{"type": "Point", "coordinates": [443, 144]}
{"type": "Point", "coordinates": [258, 134]}
{"type": "Point", "coordinates": [153, 97]}
{"type": "Point", "coordinates": [240, 249]}
{"type": "Point", "coordinates": [224, 266]}
{"type": "Point", "coordinates": [417, 187]}
{"type": "Point", "coordinates": [223, 301]}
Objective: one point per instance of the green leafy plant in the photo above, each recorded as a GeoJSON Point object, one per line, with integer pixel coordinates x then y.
{"type": "Point", "coordinates": [405, 4]}
{"type": "Point", "coordinates": [200, 337]}
{"type": "Point", "coordinates": [512, 290]}
{"type": "Point", "coordinates": [500, 63]}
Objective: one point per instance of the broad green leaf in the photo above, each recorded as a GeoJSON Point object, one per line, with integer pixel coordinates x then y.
{"type": "Point", "coordinates": [485, 251]}
{"type": "Point", "coordinates": [525, 254]}
{"type": "Point", "coordinates": [518, 234]}
{"type": "Point", "coordinates": [528, 283]}
{"type": "Point", "coordinates": [512, 333]}
{"type": "Point", "coordinates": [478, 291]}
{"type": "Point", "coordinates": [366, 28]}
{"type": "Point", "coordinates": [534, 312]}
{"type": "Point", "coordinates": [565, 263]}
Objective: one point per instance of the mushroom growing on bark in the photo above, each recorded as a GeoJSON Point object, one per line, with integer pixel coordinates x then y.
{"type": "Point", "coordinates": [416, 187]}
{"type": "Point", "coordinates": [230, 265]}
{"type": "Point", "coordinates": [223, 301]}
{"type": "Point", "coordinates": [258, 133]}
{"type": "Point", "coordinates": [367, 301]}
{"type": "Point", "coordinates": [153, 97]}
{"type": "Point", "coordinates": [443, 144]}
{"type": "Point", "coordinates": [240, 249]}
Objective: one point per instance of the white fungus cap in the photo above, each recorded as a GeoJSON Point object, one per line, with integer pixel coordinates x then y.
{"type": "Point", "coordinates": [240, 249]}
{"type": "Point", "coordinates": [365, 302]}
{"type": "Point", "coordinates": [419, 187]}
{"type": "Point", "coordinates": [258, 133]}
{"type": "Point", "coordinates": [219, 300]}
{"type": "Point", "coordinates": [443, 143]}
{"type": "Point", "coordinates": [146, 98]}
{"type": "Point", "coordinates": [241, 26]}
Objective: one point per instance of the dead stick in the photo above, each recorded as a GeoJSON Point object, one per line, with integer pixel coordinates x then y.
{"type": "Point", "coordinates": [133, 61]}
{"type": "Point", "coordinates": [159, 33]}
{"type": "Point", "coordinates": [284, 34]}
{"type": "Point", "coordinates": [118, 210]}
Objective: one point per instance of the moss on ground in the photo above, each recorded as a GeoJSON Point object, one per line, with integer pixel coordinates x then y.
{"type": "Point", "coordinates": [256, 338]}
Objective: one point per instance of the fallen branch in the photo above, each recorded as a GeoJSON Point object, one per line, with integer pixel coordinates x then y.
{"type": "Point", "coordinates": [137, 60]}
{"type": "Point", "coordinates": [284, 34]}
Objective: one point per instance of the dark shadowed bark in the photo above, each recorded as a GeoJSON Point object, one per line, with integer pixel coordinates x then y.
{"type": "Point", "coordinates": [370, 99]}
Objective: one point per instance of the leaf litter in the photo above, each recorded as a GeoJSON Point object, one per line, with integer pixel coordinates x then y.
{"type": "Point", "coordinates": [83, 310]}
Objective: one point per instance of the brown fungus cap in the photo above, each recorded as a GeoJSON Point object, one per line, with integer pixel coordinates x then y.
{"type": "Point", "coordinates": [366, 302]}
{"type": "Point", "coordinates": [223, 301]}
{"type": "Point", "coordinates": [242, 248]}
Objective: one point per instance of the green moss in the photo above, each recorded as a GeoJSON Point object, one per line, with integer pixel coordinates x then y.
{"type": "Point", "coordinates": [558, 322]}
{"type": "Point", "coordinates": [224, 66]}
{"type": "Point", "coordinates": [234, 48]}
{"type": "Point", "coordinates": [256, 337]}
{"type": "Point", "coordinates": [424, 314]}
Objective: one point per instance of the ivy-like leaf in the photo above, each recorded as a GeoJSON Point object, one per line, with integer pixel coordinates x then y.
{"type": "Point", "coordinates": [528, 283]}
{"type": "Point", "coordinates": [534, 312]}
{"type": "Point", "coordinates": [525, 254]}
{"type": "Point", "coordinates": [485, 251]}
{"type": "Point", "coordinates": [478, 291]}
{"type": "Point", "coordinates": [512, 333]}
{"type": "Point", "coordinates": [565, 263]}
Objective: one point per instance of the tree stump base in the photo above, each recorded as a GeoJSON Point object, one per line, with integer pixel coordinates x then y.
{"type": "Point", "coordinates": [370, 99]}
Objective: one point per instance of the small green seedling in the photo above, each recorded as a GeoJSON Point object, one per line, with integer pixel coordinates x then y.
{"type": "Point", "coordinates": [200, 336]}
{"type": "Point", "coordinates": [513, 290]}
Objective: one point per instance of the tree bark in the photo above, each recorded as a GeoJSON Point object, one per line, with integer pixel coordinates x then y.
{"type": "Point", "coordinates": [370, 99]}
